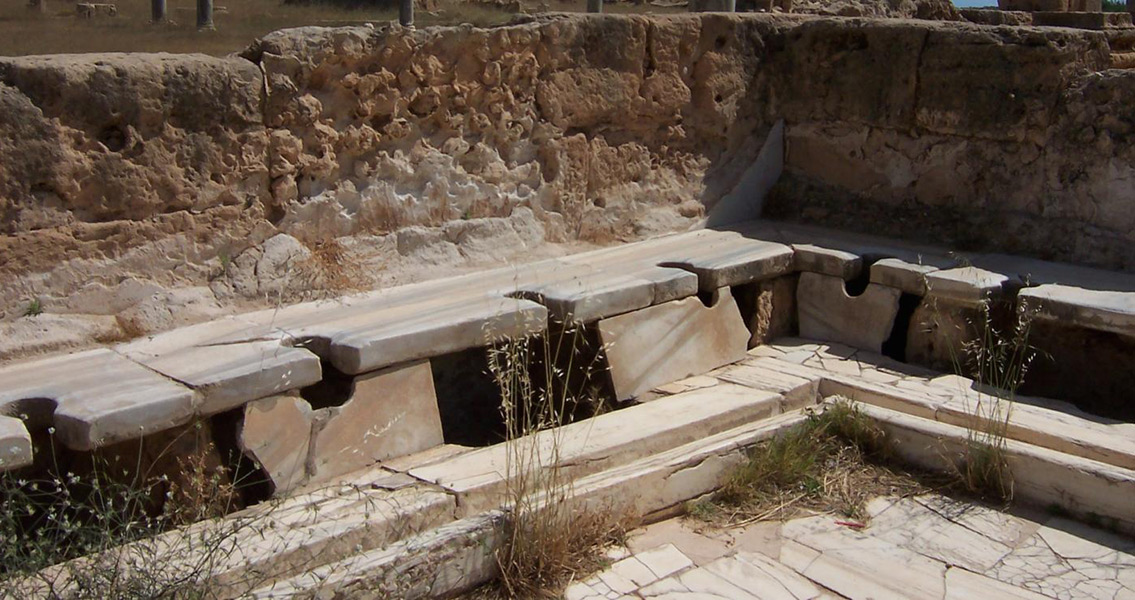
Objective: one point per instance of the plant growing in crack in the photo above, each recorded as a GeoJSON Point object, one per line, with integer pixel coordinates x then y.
{"type": "Point", "coordinates": [546, 381]}
{"type": "Point", "coordinates": [997, 359]}
{"type": "Point", "coordinates": [109, 527]}
{"type": "Point", "coordinates": [34, 308]}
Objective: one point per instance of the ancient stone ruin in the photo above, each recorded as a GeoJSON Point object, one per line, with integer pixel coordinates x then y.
{"type": "Point", "coordinates": [308, 270]}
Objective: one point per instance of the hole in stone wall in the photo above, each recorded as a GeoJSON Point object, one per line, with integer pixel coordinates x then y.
{"type": "Point", "coordinates": [181, 473]}
{"type": "Point", "coordinates": [468, 398]}
{"type": "Point", "coordinates": [275, 214]}
{"type": "Point", "coordinates": [36, 413]}
{"type": "Point", "coordinates": [250, 482]}
{"type": "Point", "coordinates": [707, 297]}
{"type": "Point", "coordinates": [858, 284]}
{"type": "Point", "coordinates": [748, 299]}
{"type": "Point", "coordinates": [895, 345]}
{"type": "Point", "coordinates": [578, 351]}
{"type": "Point", "coordinates": [333, 390]}
{"type": "Point", "coordinates": [113, 137]}
{"type": "Point", "coordinates": [768, 308]}
{"type": "Point", "coordinates": [1095, 370]}
{"type": "Point", "coordinates": [567, 366]}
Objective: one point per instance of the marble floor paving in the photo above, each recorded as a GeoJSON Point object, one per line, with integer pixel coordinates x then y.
{"type": "Point", "coordinates": [928, 546]}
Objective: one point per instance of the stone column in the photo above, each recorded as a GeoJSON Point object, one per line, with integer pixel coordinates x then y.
{"type": "Point", "coordinates": [594, 6]}
{"type": "Point", "coordinates": [157, 11]}
{"type": "Point", "coordinates": [406, 13]}
{"type": "Point", "coordinates": [205, 14]}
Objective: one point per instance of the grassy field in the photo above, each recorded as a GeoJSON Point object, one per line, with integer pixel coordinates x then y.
{"type": "Point", "coordinates": [24, 32]}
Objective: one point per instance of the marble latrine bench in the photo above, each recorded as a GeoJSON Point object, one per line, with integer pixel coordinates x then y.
{"type": "Point", "coordinates": [664, 309]}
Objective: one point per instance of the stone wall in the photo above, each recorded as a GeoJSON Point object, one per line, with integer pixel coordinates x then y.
{"type": "Point", "coordinates": [601, 129]}
{"type": "Point", "coordinates": [1008, 139]}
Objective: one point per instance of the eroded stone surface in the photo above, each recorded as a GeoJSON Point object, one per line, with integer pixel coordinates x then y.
{"type": "Point", "coordinates": [773, 306]}
{"type": "Point", "coordinates": [1069, 560]}
{"type": "Point", "coordinates": [276, 432]}
{"type": "Point", "coordinates": [670, 341]}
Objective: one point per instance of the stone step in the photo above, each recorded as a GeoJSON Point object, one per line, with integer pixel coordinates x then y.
{"type": "Point", "coordinates": [1064, 429]}
{"type": "Point", "coordinates": [1041, 476]}
{"type": "Point", "coordinates": [439, 563]}
{"type": "Point", "coordinates": [664, 480]}
{"type": "Point", "coordinates": [880, 381]}
{"type": "Point", "coordinates": [417, 567]}
{"type": "Point", "coordinates": [679, 449]}
{"type": "Point", "coordinates": [276, 539]}
{"type": "Point", "coordinates": [478, 478]}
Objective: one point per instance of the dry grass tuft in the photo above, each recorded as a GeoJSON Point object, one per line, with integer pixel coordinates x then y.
{"type": "Point", "coordinates": [334, 268]}
{"type": "Point", "coordinates": [550, 547]}
{"type": "Point", "coordinates": [551, 538]}
{"type": "Point", "coordinates": [997, 358]}
{"type": "Point", "coordinates": [835, 462]}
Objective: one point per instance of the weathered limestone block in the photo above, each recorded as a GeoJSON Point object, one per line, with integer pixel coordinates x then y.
{"type": "Point", "coordinates": [829, 314]}
{"type": "Point", "coordinates": [1033, 5]}
{"type": "Point", "coordinates": [938, 330]}
{"type": "Point", "coordinates": [116, 128]}
{"type": "Point", "coordinates": [671, 341]}
{"type": "Point", "coordinates": [1077, 20]}
{"type": "Point", "coordinates": [1102, 310]}
{"type": "Point", "coordinates": [712, 6]}
{"type": "Point", "coordinates": [391, 413]}
{"type": "Point", "coordinates": [276, 433]}
{"type": "Point", "coordinates": [773, 309]}
{"type": "Point", "coordinates": [852, 73]}
{"type": "Point", "coordinates": [1011, 86]}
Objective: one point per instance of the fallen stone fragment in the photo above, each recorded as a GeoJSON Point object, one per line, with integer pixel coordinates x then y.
{"type": "Point", "coordinates": [276, 433]}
